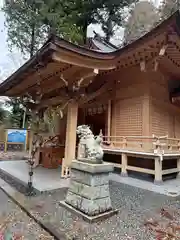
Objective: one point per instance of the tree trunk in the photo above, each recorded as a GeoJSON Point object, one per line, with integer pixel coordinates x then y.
{"type": "Point", "coordinates": [109, 27]}
{"type": "Point", "coordinates": [32, 31]}
{"type": "Point", "coordinates": [52, 31]}
{"type": "Point", "coordinates": [32, 40]}
{"type": "Point", "coordinates": [85, 32]}
{"type": "Point", "coordinates": [107, 37]}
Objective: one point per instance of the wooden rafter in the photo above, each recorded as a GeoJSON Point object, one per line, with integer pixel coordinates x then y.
{"type": "Point", "coordinates": [143, 66]}
{"type": "Point", "coordinates": [160, 55]}
{"type": "Point", "coordinates": [89, 75]}
{"type": "Point", "coordinates": [51, 102]}
{"type": "Point", "coordinates": [103, 89]}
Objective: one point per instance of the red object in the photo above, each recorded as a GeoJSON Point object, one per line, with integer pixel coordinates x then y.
{"type": "Point", "coordinates": [52, 156]}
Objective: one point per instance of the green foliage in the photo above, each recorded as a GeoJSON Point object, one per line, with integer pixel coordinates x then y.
{"type": "Point", "coordinates": [168, 7]}
{"type": "Point", "coordinates": [4, 115]}
{"type": "Point", "coordinates": [29, 22]}
{"type": "Point", "coordinates": [24, 26]}
{"type": "Point", "coordinates": [112, 15]}
{"type": "Point", "coordinates": [16, 113]}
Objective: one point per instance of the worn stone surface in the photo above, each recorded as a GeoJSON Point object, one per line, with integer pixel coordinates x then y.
{"type": "Point", "coordinates": [90, 192]}
{"type": "Point", "coordinates": [91, 145]}
{"type": "Point", "coordinates": [92, 168]}
{"type": "Point", "coordinates": [89, 179]}
{"type": "Point", "coordinates": [89, 188]}
{"type": "Point", "coordinates": [89, 206]}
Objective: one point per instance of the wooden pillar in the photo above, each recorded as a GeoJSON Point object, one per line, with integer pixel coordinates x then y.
{"type": "Point", "coordinates": [178, 166]}
{"type": "Point", "coordinates": [158, 171]}
{"type": "Point", "coordinates": [109, 121]}
{"type": "Point", "coordinates": [124, 163]}
{"type": "Point", "coordinates": [70, 144]}
{"type": "Point", "coordinates": [146, 121]}
{"type": "Point", "coordinates": [146, 116]}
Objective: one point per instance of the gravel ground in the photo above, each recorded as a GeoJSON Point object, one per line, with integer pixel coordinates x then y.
{"type": "Point", "coordinates": [14, 220]}
{"type": "Point", "coordinates": [135, 207]}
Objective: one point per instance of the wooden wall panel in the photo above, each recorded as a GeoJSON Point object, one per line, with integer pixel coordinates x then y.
{"type": "Point", "coordinates": [160, 92]}
{"type": "Point", "coordinates": [146, 115]}
{"type": "Point", "coordinates": [128, 104]}
{"type": "Point", "coordinates": [132, 91]}
{"type": "Point", "coordinates": [162, 120]}
{"type": "Point", "coordinates": [162, 111]}
{"type": "Point", "coordinates": [127, 119]}
{"type": "Point", "coordinates": [177, 126]}
{"type": "Point", "coordinates": [141, 105]}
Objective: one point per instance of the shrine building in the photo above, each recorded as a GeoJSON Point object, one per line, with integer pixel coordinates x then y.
{"type": "Point", "coordinates": [131, 95]}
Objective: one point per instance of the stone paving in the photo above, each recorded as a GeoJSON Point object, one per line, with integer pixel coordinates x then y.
{"type": "Point", "coordinates": [135, 207]}
{"type": "Point", "coordinates": [14, 220]}
{"type": "Point", "coordinates": [20, 171]}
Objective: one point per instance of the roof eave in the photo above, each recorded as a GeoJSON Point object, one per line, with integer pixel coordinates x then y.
{"type": "Point", "coordinates": [44, 53]}
{"type": "Point", "coordinates": [55, 43]}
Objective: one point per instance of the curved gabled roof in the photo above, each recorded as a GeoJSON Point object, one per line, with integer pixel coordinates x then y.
{"type": "Point", "coordinates": [68, 54]}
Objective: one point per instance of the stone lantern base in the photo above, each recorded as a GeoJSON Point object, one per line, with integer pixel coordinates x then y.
{"type": "Point", "coordinates": [88, 194]}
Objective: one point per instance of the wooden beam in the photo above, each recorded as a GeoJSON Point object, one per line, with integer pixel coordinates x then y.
{"type": "Point", "coordinates": [91, 74]}
{"type": "Point", "coordinates": [163, 50]}
{"type": "Point", "coordinates": [84, 62]}
{"type": "Point", "coordinates": [138, 169]}
{"type": "Point", "coordinates": [158, 171]}
{"type": "Point", "coordinates": [156, 64]}
{"type": "Point", "coordinates": [178, 166]}
{"type": "Point", "coordinates": [158, 58]}
{"type": "Point", "coordinates": [143, 66]}
{"type": "Point", "coordinates": [146, 131]}
{"type": "Point", "coordinates": [100, 91]}
{"type": "Point", "coordinates": [50, 102]}
{"type": "Point", "coordinates": [124, 162]}
{"type": "Point", "coordinates": [47, 81]}
{"type": "Point", "coordinates": [169, 171]}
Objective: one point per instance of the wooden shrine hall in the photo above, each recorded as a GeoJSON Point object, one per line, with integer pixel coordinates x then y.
{"type": "Point", "coordinates": [131, 94]}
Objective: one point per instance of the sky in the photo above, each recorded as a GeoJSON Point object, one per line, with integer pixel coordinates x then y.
{"type": "Point", "coordinates": [9, 62]}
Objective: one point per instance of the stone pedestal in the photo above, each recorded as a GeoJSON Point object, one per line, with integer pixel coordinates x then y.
{"type": "Point", "coordinates": [88, 194]}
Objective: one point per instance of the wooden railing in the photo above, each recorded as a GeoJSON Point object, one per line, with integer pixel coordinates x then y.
{"type": "Point", "coordinates": [156, 144]}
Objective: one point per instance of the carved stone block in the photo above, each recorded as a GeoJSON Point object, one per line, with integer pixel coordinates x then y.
{"type": "Point", "coordinates": [89, 188]}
